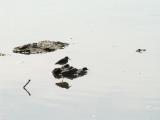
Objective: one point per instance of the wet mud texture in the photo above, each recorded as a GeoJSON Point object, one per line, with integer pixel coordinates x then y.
{"type": "Point", "coordinates": [40, 47]}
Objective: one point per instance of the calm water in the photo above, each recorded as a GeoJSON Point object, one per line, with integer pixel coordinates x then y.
{"type": "Point", "coordinates": [103, 35]}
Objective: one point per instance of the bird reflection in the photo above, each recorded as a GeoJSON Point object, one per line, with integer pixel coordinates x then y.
{"type": "Point", "coordinates": [63, 85]}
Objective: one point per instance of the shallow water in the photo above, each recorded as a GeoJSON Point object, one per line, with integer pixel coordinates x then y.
{"type": "Point", "coordinates": [104, 36]}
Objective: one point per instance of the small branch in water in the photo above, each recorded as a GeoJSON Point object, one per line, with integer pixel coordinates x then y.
{"type": "Point", "coordinates": [24, 87]}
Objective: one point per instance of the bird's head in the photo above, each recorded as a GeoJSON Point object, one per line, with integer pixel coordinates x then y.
{"type": "Point", "coordinates": [84, 69]}
{"type": "Point", "coordinates": [67, 58]}
{"type": "Point", "coordinates": [66, 66]}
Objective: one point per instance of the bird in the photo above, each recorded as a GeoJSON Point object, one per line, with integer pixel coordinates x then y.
{"type": "Point", "coordinates": [74, 73]}
{"type": "Point", "coordinates": [82, 72]}
{"type": "Point", "coordinates": [85, 69]}
{"type": "Point", "coordinates": [70, 74]}
{"type": "Point", "coordinates": [63, 61]}
{"type": "Point", "coordinates": [57, 73]}
{"type": "Point", "coordinates": [66, 66]}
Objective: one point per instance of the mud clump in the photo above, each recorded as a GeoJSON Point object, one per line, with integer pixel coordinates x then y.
{"type": "Point", "coordinates": [40, 47]}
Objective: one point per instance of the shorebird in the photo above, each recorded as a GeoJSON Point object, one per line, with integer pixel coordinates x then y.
{"type": "Point", "coordinates": [57, 73]}
{"type": "Point", "coordinates": [63, 61]}
{"type": "Point", "coordinates": [66, 66]}
{"type": "Point", "coordinates": [74, 73]}
{"type": "Point", "coordinates": [70, 73]}
{"type": "Point", "coordinates": [85, 69]}
{"type": "Point", "coordinates": [82, 71]}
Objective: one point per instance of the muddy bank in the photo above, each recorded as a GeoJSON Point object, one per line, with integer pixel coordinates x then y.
{"type": "Point", "coordinates": [40, 47]}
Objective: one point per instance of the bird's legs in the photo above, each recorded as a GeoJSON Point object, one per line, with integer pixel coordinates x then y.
{"type": "Point", "coordinates": [62, 80]}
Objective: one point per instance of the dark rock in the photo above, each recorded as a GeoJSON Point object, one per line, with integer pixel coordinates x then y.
{"type": "Point", "coordinates": [40, 47]}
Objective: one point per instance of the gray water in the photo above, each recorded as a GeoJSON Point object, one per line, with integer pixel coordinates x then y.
{"type": "Point", "coordinates": [103, 35]}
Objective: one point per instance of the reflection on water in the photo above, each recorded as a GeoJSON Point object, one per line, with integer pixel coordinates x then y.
{"type": "Point", "coordinates": [24, 87]}
{"type": "Point", "coordinates": [63, 85]}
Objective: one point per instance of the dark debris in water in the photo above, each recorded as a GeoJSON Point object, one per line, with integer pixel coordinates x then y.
{"type": "Point", "coordinates": [140, 50]}
{"type": "Point", "coordinates": [40, 47]}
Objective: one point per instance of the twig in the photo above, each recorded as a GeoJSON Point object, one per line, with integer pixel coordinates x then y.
{"type": "Point", "coordinates": [24, 87]}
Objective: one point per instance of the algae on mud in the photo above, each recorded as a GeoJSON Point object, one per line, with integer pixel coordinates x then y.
{"type": "Point", "coordinates": [40, 47]}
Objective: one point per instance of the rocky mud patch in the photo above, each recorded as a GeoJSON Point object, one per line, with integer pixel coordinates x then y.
{"type": "Point", "coordinates": [40, 47]}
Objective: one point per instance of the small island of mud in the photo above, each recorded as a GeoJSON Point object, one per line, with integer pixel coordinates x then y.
{"type": "Point", "coordinates": [40, 47]}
